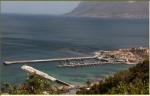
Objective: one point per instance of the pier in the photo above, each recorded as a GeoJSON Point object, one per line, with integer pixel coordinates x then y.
{"type": "Point", "coordinates": [47, 60]}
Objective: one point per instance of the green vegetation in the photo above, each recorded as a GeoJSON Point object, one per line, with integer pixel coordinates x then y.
{"type": "Point", "coordinates": [33, 85]}
{"type": "Point", "coordinates": [133, 81]}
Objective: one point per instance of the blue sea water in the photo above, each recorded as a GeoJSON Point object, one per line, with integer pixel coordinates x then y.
{"type": "Point", "coordinates": [35, 37]}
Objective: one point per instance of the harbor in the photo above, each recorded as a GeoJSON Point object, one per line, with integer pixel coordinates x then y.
{"type": "Point", "coordinates": [120, 56]}
{"type": "Point", "coordinates": [86, 64]}
{"type": "Point", "coordinates": [73, 61]}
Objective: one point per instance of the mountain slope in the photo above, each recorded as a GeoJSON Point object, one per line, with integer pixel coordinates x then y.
{"type": "Point", "coordinates": [127, 9]}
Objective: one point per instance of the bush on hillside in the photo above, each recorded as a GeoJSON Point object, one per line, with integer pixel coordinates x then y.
{"type": "Point", "coordinates": [133, 81]}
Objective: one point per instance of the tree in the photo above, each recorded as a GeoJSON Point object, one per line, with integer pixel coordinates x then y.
{"type": "Point", "coordinates": [33, 85]}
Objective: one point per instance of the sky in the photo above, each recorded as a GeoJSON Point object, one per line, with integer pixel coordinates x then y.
{"type": "Point", "coordinates": [38, 7]}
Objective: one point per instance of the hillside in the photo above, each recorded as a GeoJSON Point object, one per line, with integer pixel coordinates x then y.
{"type": "Point", "coordinates": [123, 9]}
{"type": "Point", "coordinates": [133, 81]}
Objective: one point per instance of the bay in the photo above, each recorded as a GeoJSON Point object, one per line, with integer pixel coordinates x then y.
{"type": "Point", "coordinates": [36, 37]}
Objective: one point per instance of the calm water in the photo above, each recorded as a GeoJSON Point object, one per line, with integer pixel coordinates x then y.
{"type": "Point", "coordinates": [36, 37]}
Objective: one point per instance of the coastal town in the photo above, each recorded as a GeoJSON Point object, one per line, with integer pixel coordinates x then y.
{"type": "Point", "coordinates": [126, 56]}
{"type": "Point", "coordinates": [80, 47]}
{"type": "Point", "coordinates": [119, 56]}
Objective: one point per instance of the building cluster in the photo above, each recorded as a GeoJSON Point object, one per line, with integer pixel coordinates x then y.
{"type": "Point", "coordinates": [128, 56]}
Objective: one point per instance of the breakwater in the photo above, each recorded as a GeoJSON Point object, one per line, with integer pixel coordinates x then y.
{"type": "Point", "coordinates": [47, 60]}
{"type": "Point", "coordinates": [34, 71]}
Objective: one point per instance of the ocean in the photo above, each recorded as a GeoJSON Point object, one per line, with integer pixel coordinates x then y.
{"type": "Point", "coordinates": [26, 37]}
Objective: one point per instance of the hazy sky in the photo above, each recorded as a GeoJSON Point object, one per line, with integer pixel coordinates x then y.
{"type": "Point", "coordinates": [38, 7]}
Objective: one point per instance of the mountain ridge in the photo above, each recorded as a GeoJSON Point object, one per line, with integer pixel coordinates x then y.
{"type": "Point", "coordinates": [122, 9]}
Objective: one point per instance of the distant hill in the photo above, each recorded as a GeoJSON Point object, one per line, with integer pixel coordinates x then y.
{"type": "Point", "coordinates": [122, 9]}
